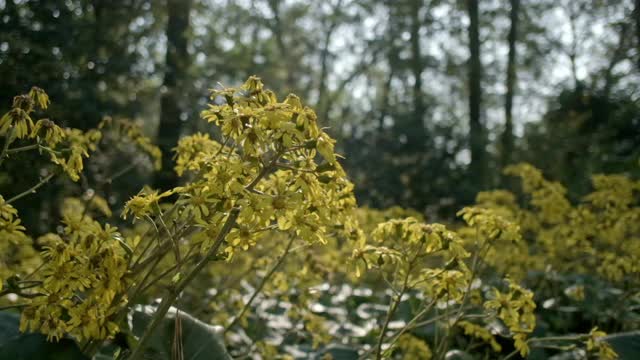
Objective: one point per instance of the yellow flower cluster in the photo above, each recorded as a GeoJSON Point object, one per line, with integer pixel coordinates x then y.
{"type": "Point", "coordinates": [193, 152]}
{"type": "Point", "coordinates": [596, 344]}
{"type": "Point", "coordinates": [412, 348]}
{"type": "Point", "coordinates": [548, 197]}
{"type": "Point", "coordinates": [10, 228]}
{"type": "Point", "coordinates": [76, 145]}
{"type": "Point", "coordinates": [515, 308]}
{"type": "Point", "coordinates": [49, 132]}
{"type": "Point", "coordinates": [83, 281]}
{"type": "Point", "coordinates": [144, 204]}
{"type": "Point", "coordinates": [427, 256]}
{"type": "Point", "coordinates": [491, 226]}
{"type": "Point", "coordinates": [599, 233]}
{"type": "Point", "coordinates": [412, 234]}
{"type": "Point", "coordinates": [275, 167]}
{"type": "Point", "coordinates": [17, 255]}
{"type": "Point", "coordinates": [66, 147]}
{"type": "Point", "coordinates": [17, 122]}
{"type": "Point", "coordinates": [480, 332]}
{"type": "Point", "coordinates": [493, 231]}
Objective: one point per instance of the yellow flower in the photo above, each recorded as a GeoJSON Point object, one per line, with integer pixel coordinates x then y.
{"type": "Point", "coordinates": [412, 348]}
{"type": "Point", "coordinates": [548, 197]}
{"type": "Point", "coordinates": [81, 277]}
{"type": "Point", "coordinates": [481, 333]}
{"type": "Point", "coordinates": [520, 343]}
{"type": "Point", "coordinates": [595, 343]}
{"type": "Point", "coordinates": [19, 119]}
{"type": "Point", "coordinates": [49, 131]}
{"type": "Point", "coordinates": [515, 309]}
{"type": "Point", "coordinates": [10, 228]}
{"type": "Point", "coordinates": [490, 224]}
{"type": "Point", "coordinates": [77, 145]}
{"type": "Point", "coordinates": [39, 97]}
{"type": "Point", "coordinates": [144, 204]}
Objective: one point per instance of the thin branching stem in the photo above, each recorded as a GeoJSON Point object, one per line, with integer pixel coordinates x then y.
{"type": "Point", "coordinates": [23, 148]}
{"type": "Point", "coordinates": [173, 294]}
{"type": "Point", "coordinates": [32, 189]}
{"type": "Point", "coordinates": [168, 300]}
{"type": "Point", "coordinates": [258, 289]}
{"type": "Point", "coordinates": [7, 141]}
{"type": "Point", "coordinates": [392, 310]}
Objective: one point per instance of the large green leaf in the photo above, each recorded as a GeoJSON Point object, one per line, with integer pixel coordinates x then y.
{"type": "Point", "coordinates": [17, 346]}
{"type": "Point", "coordinates": [200, 341]}
{"type": "Point", "coordinates": [338, 352]}
{"type": "Point", "coordinates": [627, 345]}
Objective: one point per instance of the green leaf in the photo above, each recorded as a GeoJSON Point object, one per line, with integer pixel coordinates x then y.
{"type": "Point", "coordinates": [338, 352]}
{"type": "Point", "coordinates": [29, 346]}
{"type": "Point", "coordinates": [627, 345]}
{"type": "Point", "coordinates": [200, 341]}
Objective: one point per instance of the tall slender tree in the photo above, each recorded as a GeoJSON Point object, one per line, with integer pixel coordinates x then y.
{"type": "Point", "coordinates": [507, 135]}
{"type": "Point", "coordinates": [476, 129]}
{"type": "Point", "coordinates": [332, 21]}
{"type": "Point", "coordinates": [637, 17]}
{"type": "Point", "coordinates": [417, 65]}
{"type": "Point", "coordinates": [177, 62]}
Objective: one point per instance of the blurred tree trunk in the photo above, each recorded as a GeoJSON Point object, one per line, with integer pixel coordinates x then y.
{"type": "Point", "coordinates": [507, 136]}
{"type": "Point", "coordinates": [478, 166]}
{"type": "Point", "coordinates": [177, 61]}
{"type": "Point", "coordinates": [616, 57]}
{"type": "Point", "coordinates": [384, 103]}
{"type": "Point", "coordinates": [417, 67]}
{"type": "Point", "coordinates": [277, 27]}
{"type": "Point", "coordinates": [323, 106]}
{"type": "Point", "coordinates": [637, 17]}
{"type": "Point", "coordinates": [573, 12]}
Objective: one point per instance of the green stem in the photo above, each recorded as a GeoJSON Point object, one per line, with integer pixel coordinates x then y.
{"type": "Point", "coordinates": [23, 148]}
{"type": "Point", "coordinates": [476, 263]}
{"type": "Point", "coordinates": [412, 323]}
{"type": "Point", "coordinates": [155, 280]}
{"type": "Point", "coordinates": [14, 306]}
{"type": "Point", "coordinates": [511, 354]}
{"type": "Point", "coordinates": [260, 286]}
{"type": "Point", "coordinates": [392, 310]}
{"type": "Point", "coordinates": [8, 140]}
{"type": "Point", "coordinates": [560, 338]}
{"type": "Point", "coordinates": [168, 300]}
{"type": "Point", "coordinates": [32, 189]}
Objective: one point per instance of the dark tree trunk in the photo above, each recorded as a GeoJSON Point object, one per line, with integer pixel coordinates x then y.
{"type": "Point", "coordinates": [323, 104]}
{"type": "Point", "coordinates": [507, 136]}
{"type": "Point", "coordinates": [417, 67]}
{"type": "Point", "coordinates": [637, 17]}
{"type": "Point", "coordinates": [278, 29]}
{"type": "Point", "coordinates": [616, 57]}
{"type": "Point", "coordinates": [477, 167]}
{"type": "Point", "coordinates": [177, 61]}
{"type": "Point", "coordinates": [384, 103]}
